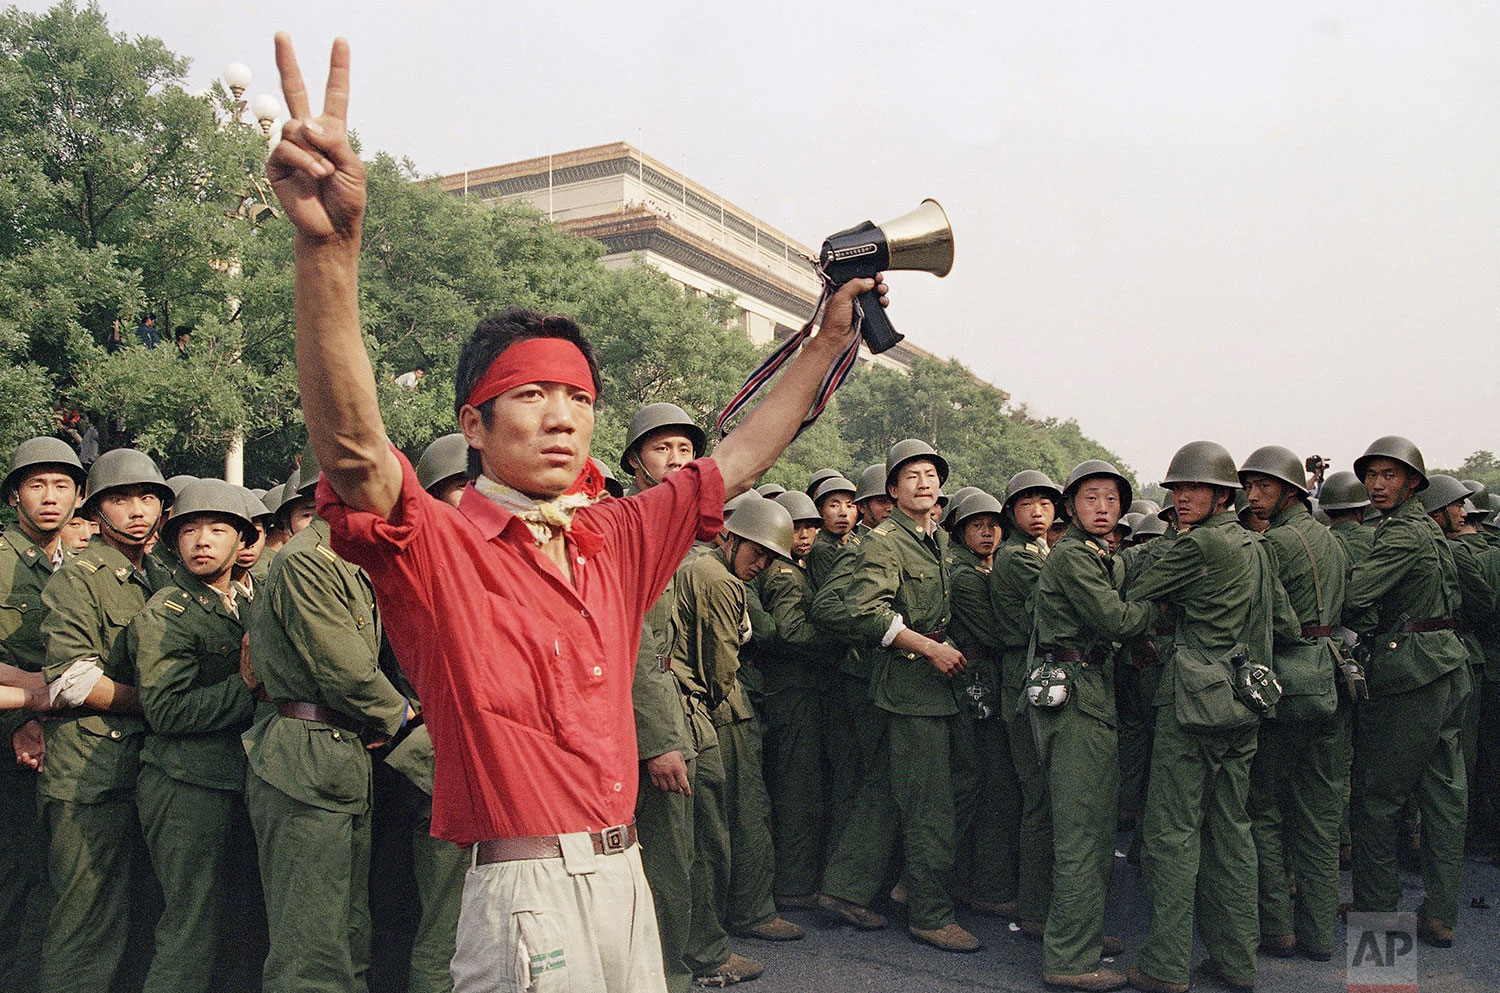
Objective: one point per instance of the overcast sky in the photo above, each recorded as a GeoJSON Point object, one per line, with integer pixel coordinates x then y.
{"type": "Point", "coordinates": [1268, 223]}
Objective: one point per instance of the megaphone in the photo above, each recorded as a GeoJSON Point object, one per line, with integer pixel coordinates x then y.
{"type": "Point", "coordinates": [921, 240]}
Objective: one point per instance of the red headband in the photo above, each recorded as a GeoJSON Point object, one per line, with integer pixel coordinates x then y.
{"type": "Point", "coordinates": [534, 360]}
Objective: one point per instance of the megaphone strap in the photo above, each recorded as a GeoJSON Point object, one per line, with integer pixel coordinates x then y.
{"type": "Point", "coordinates": [766, 371]}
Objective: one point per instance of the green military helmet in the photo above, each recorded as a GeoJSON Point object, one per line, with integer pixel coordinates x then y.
{"type": "Point", "coordinates": [958, 497]}
{"type": "Point", "coordinates": [910, 450]}
{"type": "Point", "coordinates": [735, 503]}
{"type": "Point", "coordinates": [1442, 489]}
{"type": "Point", "coordinates": [654, 417]}
{"type": "Point", "coordinates": [1144, 507]}
{"type": "Point", "coordinates": [612, 486]}
{"type": "Point", "coordinates": [1278, 463]}
{"type": "Point", "coordinates": [976, 503]}
{"type": "Point", "coordinates": [771, 490]}
{"type": "Point", "coordinates": [1202, 462]}
{"type": "Point", "coordinates": [765, 522]}
{"type": "Point", "coordinates": [179, 481]}
{"type": "Point", "coordinates": [800, 506]}
{"type": "Point", "coordinates": [1095, 468]}
{"type": "Point", "coordinates": [307, 472]}
{"type": "Point", "coordinates": [816, 480]}
{"type": "Point", "coordinates": [125, 467]}
{"type": "Point", "coordinates": [1398, 449]}
{"type": "Point", "coordinates": [1124, 526]}
{"type": "Point", "coordinates": [257, 491]}
{"type": "Point", "coordinates": [1131, 520]}
{"type": "Point", "coordinates": [1031, 479]}
{"type": "Point", "coordinates": [1472, 513]}
{"type": "Point", "coordinates": [1149, 524]}
{"type": "Point", "coordinates": [255, 507]}
{"type": "Point", "coordinates": [443, 459]}
{"type": "Point", "coordinates": [871, 483]}
{"type": "Point", "coordinates": [33, 453]}
{"type": "Point", "coordinates": [830, 486]}
{"type": "Point", "coordinates": [1343, 491]}
{"type": "Point", "coordinates": [1475, 487]}
{"type": "Point", "coordinates": [209, 496]}
{"type": "Point", "coordinates": [1319, 514]}
{"type": "Point", "coordinates": [272, 499]}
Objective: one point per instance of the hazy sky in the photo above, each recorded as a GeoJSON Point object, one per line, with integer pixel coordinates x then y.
{"type": "Point", "coordinates": [1268, 223]}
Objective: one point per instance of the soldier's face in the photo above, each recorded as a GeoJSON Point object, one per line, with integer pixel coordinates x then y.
{"type": "Point", "coordinates": [982, 534]}
{"type": "Point", "coordinates": [1034, 513]}
{"type": "Point", "coordinates": [301, 515]}
{"type": "Point", "coordinates": [660, 454]}
{"type": "Point", "coordinates": [1450, 518]}
{"type": "Point", "coordinates": [1096, 506]}
{"type": "Point", "coordinates": [450, 490]}
{"type": "Point", "coordinates": [1267, 496]}
{"type": "Point", "coordinates": [1193, 503]}
{"type": "Point", "coordinates": [45, 501]}
{"type": "Point", "coordinates": [916, 488]}
{"type": "Point", "coordinates": [207, 544]}
{"type": "Point", "coordinates": [803, 536]}
{"type": "Point", "coordinates": [838, 513]}
{"type": "Point", "coordinates": [1390, 483]}
{"type": "Point", "coordinates": [876, 509]}
{"type": "Point", "coordinates": [250, 554]}
{"type": "Point", "coordinates": [77, 532]}
{"type": "Point", "coordinates": [537, 439]}
{"type": "Point", "coordinates": [131, 512]}
{"type": "Point", "coordinates": [750, 560]}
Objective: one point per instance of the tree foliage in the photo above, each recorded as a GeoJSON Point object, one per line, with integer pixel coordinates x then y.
{"type": "Point", "coordinates": [124, 195]}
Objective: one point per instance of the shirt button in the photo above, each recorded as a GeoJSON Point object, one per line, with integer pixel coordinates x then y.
{"type": "Point", "coordinates": [336, 736]}
{"type": "Point", "coordinates": [584, 612]}
{"type": "Point", "coordinates": [580, 560]}
{"type": "Point", "coordinates": [116, 736]}
{"type": "Point", "coordinates": [619, 787]}
{"type": "Point", "coordinates": [598, 670]}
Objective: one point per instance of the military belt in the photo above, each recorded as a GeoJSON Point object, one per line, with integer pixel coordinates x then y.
{"type": "Point", "coordinates": [1434, 624]}
{"type": "Point", "coordinates": [939, 635]}
{"type": "Point", "coordinates": [317, 712]}
{"type": "Point", "coordinates": [1091, 657]}
{"type": "Point", "coordinates": [610, 841]}
{"type": "Point", "coordinates": [66, 714]}
{"type": "Point", "coordinates": [1318, 630]}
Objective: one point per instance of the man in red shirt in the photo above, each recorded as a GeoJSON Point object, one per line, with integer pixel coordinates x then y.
{"type": "Point", "coordinates": [516, 614]}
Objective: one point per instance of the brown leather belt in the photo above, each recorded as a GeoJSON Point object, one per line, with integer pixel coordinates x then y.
{"type": "Point", "coordinates": [316, 712]}
{"type": "Point", "coordinates": [610, 841]}
{"type": "Point", "coordinates": [1434, 624]}
{"type": "Point", "coordinates": [1093, 657]}
{"type": "Point", "coordinates": [69, 714]}
{"type": "Point", "coordinates": [938, 635]}
{"type": "Point", "coordinates": [1318, 630]}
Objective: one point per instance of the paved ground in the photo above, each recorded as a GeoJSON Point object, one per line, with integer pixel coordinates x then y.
{"type": "Point", "coordinates": [840, 959]}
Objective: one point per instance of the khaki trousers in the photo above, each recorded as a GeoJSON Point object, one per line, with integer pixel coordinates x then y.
{"type": "Point", "coordinates": [582, 923]}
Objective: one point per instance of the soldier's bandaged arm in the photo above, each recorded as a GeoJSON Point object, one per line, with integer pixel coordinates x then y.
{"type": "Point", "coordinates": [84, 684]}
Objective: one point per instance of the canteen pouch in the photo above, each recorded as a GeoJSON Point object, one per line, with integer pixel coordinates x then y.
{"type": "Point", "coordinates": [1049, 685]}
{"type": "Point", "coordinates": [1308, 685]}
{"type": "Point", "coordinates": [1204, 697]}
{"type": "Point", "coordinates": [978, 693]}
{"type": "Point", "coordinates": [1255, 683]}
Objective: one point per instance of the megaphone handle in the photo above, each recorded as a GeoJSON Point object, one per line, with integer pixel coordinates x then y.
{"type": "Point", "coordinates": [877, 329]}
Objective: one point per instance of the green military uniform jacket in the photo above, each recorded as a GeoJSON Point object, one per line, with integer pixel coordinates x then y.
{"type": "Point", "coordinates": [791, 654]}
{"type": "Point", "coordinates": [1488, 560]}
{"type": "Point", "coordinates": [90, 602]}
{"type": "Point", "coordinates": [831, 614]}
{"type": "Point", "coordinates": [1211, 576]}
{"type": "Point", "coordinates": [1079, 607]}
{"type": "Point", "coordinates": [1356, 539]}
{"type": "Point", "coordinates": [316, 639]}
{"type": "Point", "coordinates": [1012, 589]}
{"type": "Point", "coordinates": [24, 570]}
{"type": "Point", "coordinates": [661, 723]}
{"type": "Point", "coordinates": [710, 614]}
{"type": "Point", "coordinates": [825, 551]}
{"type": "Point", "coordinates": [1409, 576]}
{"type": "Point", "coordinates": [1311, 564]}
{"type": "Point", "coordinates": [899, 570]}
{"type": "Point", "coordinates": [186, 645]}
{"type": "Point", "coordinates": [1477, 598]}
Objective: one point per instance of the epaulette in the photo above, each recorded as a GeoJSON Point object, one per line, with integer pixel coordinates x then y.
{"type": "Point", "coordinates": [327, 553]}
{"type": "Point", "coordinates": [786, 570]}
{"type": "Point", "coordinates": [174, 605]}
{"type": "Point", "coordinates": [88, 566]}
{"type": "Point", "coordinates": [883, 528]}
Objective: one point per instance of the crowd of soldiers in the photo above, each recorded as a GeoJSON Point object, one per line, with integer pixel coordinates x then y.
{"type": "Point", "coordinates": [859, 689]}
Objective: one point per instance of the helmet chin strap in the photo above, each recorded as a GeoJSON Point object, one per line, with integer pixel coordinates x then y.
{"type": "Point", "coordinates": [28, 519]}
{"type": "Point", "coordinates": [125, 537]}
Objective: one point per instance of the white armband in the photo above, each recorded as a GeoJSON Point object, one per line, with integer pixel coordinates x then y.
{"type": "Point", "coordinates": [897, 626]}
{"type": "Point", "coordinates": [76, 683]}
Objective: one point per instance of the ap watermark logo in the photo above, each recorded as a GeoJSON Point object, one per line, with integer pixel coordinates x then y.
{"type": "Point", "coordinates": [1382, 953]}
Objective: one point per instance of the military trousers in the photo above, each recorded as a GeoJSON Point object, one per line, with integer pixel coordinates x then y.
{"type": "Point", "coordinates": [989, 834]}
{"type": "Point", "coordinates": [1135, 703]}
{"type": "Point", "coordinates": [1469, 736]}
{"type": "Point", "coordinates": [795, 781]}
{"type": "Point", "coordinates": [664, 823]}
{"type": "Point", "coordinates": [864, 855]}
{"type": "Point", "coordinates": [1406, 746]}
{"type": "Point", "coordinates": [845, 706]}
{"type": "Point", "coordinates": [1484, 791]}
{"type": "Point", "coordinates": [25, 893]}
{"type": "Point", "coordinates": [315, 869]}
{"type": "Point", "coordinates": [99, 929]}
{"type": "Point", "coordinates": [1080, 756]}
{"type": "Point", "coordinates": [1034, 841]}
{"type": "Point", "coordinates": [1296, 802]}
{"type": "Point", "coordinates": [1199, 856]}
{"type": "Point", "coordinates": [707, 945]}
{"type": "Point", "coordinates": [747, 814]}
{"type": "Point", "coordinates": [187, 834]}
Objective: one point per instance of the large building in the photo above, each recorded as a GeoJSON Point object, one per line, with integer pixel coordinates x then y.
{"type": "Point", "coordinates": [638, 207]}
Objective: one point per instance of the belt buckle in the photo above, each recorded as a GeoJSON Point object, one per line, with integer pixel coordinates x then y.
{"type": "Point", "coordinates": [613, 839]}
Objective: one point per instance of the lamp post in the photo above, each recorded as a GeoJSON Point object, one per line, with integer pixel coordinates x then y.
{"type": "Point", "coordinates": [254, 207]}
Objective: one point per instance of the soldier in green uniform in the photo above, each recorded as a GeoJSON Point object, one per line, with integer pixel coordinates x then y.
{"type": "Point", "coordinates": [186, 643]}
{"type": "Point", "coordinates": [1199, 859]}
{"type": "Point", "coordinates": [43, 487]}
{"type": "Point", "coordinates": [251, 565]}
{"type": "Point", "coordinates": [1401, 600]}
{"type": "Point", "coordinates": [734, 854]}
{"type": "Point", "coordinates": [1032, 503]}
{"type": "Point", "coordinates": [874, 504]}
{"type": "Point", "coordinates": [988, 828]}
{"type": "Point", "coordinates": [315, 646]}
{"type": "Point", "coordinates": [838, 515]}
{"type": "Point", "coordinates": [795, 665]}
{"type": "Point", "coordinates": [898, 606]}
{"type": "Point", "coordinates": [1297, 782]}
{"type": "Point", "coordinates": [96, 858]}
{"type": "Point", "coordinates": [1344, 499]}
{"type": "Point", "coordinates": [1079, 618]}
